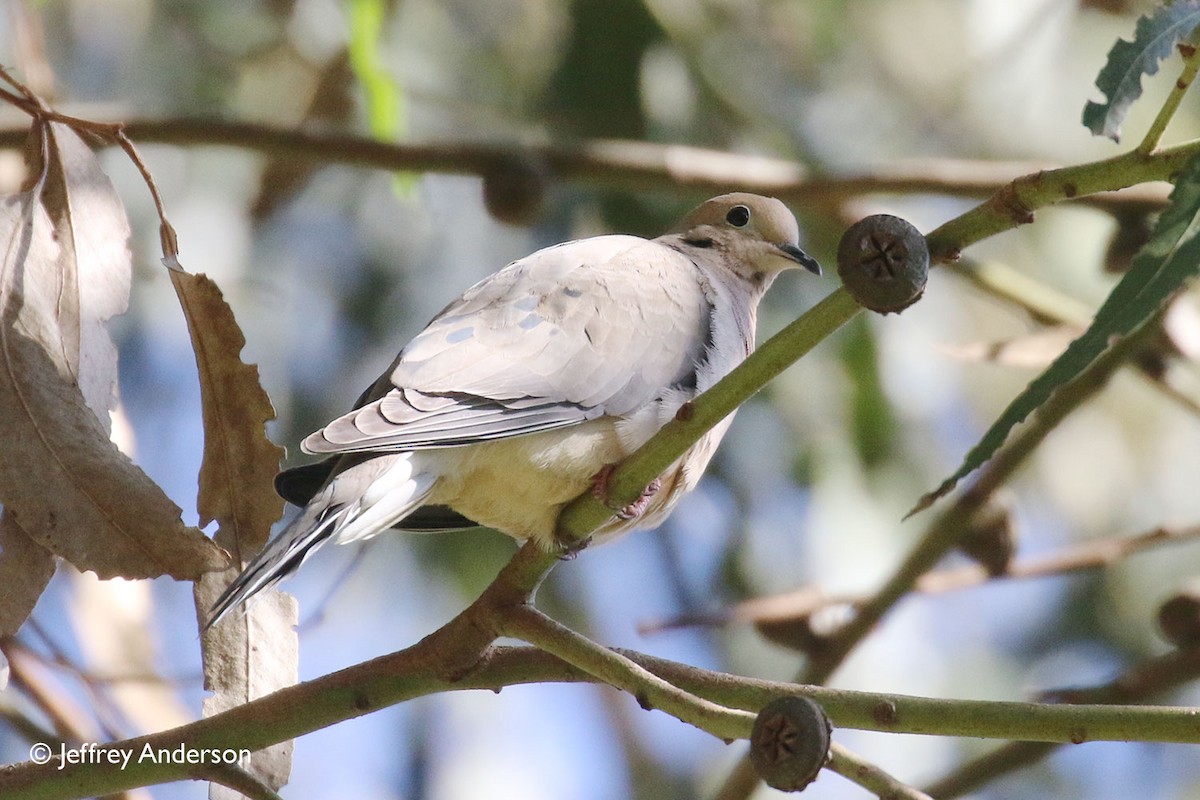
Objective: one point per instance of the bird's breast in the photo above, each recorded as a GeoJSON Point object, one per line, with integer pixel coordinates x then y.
{"type": "Point", "coordinates": [519, 485]}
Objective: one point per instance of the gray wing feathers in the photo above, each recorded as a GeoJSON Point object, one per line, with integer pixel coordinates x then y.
{"type": "Point", "coordinates": [596, 327]}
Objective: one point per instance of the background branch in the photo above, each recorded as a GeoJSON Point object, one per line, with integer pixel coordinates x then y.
{"type": "Point", "coordinates": [625, 164]}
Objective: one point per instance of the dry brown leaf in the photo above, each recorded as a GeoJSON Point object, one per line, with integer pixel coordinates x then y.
{"type": "Point", "coordinates": [67, 485]}
{"type": "Point", "coordinates": [94, 264]}
{"type": "Point", "coordinates": [25, 569]}
{"type": "Point", "coordinates": [238, 472]}
{"type": "Point", "coordinates": [248, 656]}
{"type": "Point", "coordinates": [245, 656]}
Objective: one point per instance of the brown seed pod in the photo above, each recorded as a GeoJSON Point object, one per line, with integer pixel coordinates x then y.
{"type": "Point", "coordinates": [790, 742]}
{"type": "Point", "coordinates": [1179, 618]}
{"type": "Point", "coordinates": [991, 535]}
{"type": "Point", "coordinates": [883, 262]}
{"type": "Point", "coordinates": [514, 189]}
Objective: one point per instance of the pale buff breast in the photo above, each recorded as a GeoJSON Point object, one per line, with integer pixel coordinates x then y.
{"type": "Point", "coordinates": [518, 486]}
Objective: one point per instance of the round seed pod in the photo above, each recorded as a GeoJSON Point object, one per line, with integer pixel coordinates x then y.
{"type": "Point", "coordinates": [514, 189]}
{"type": "Point", "coordinates": [1179, 618]}
{"type": "Point", "coordinates": [883, 262]}
{"type": "Point", "coordinates": [991, 535]}
{"type": "Point", "coordinates": [790, 742]}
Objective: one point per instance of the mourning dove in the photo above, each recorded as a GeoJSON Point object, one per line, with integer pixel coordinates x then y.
{"type": "Point", "coordinates": [522, 393]}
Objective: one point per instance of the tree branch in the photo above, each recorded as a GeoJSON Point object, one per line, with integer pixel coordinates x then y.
{"type": "Point", "coordinates": [945, 531]}
{"type": "Point", "coordinates": [631, 165]}
{"type": "Point", "coordinates": [857, 769]}
{"type": "Point", "coordinates": [1137, 684]}
{"type": "Point", "coordinates": [802, 602]}
{"type": "Point", "coordinates": [775, 355]}
{"type": "Point", "coordinates": [413, 672]}
{"type": "Point", "coordinates": [615, 669]}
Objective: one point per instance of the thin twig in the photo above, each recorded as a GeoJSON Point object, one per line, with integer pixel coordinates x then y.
{"type": "Point", "coordinates": [1191, 64]}
{"type": "Point", "coordinates": [240, 780]}
{"type": "Point", "coordinates": [112, 131]}
{"type": "Point", "coordinates": [803, 602]}
{"type": "Point", "coordinates": [168, 239]}
{"type": "Point", "coordinates": [871, 777]}
{"type": "Point", "coordinates": [609, 666]}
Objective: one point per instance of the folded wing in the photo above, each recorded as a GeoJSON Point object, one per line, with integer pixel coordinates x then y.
{"type": "Point", "coordinates": [598, 327]}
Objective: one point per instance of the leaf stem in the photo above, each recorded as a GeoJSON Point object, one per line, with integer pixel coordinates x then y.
{"type": "Point", "coordinates": [1191, 64]}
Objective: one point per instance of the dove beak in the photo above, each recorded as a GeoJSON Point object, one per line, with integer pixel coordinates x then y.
{"type": "Point", "coordinates": [800, 257]}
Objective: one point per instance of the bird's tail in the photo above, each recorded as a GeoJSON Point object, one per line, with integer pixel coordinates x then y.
{"type": "Point", "coordinates": [355, 504]}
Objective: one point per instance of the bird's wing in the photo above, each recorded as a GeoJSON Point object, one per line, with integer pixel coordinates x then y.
{"type": "Point", "coordinates": [595, 327]}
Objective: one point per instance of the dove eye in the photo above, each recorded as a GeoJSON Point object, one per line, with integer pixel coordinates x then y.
{"type": "Point", "coordinates": [738, 216]}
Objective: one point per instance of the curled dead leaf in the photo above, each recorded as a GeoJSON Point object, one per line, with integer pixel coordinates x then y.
{"type": "Point", "coordinates": [238, 472]}
{"type": "Point", "coordinates": [64, 482]}
{"type": "Point", "coordinates": [247, 656]}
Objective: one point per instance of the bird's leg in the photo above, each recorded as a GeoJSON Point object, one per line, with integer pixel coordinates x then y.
{"type": "Point", "coordinates": [601, 488]}
{"type": "Point", "coordinates": [569, 551]}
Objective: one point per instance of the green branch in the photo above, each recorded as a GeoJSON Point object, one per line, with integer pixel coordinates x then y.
{"type": "Point", "coordinates": [775, 355]}
{"type": "Point", "coordinates": [414, 672]}
{"type": "Point", "coordinates": [1191, 64]}
{"type": "Point", "coordinates": [617, 670]}
{"type": "Point", "coordinates": [946, 530]}
{"type": "Point", "coordinates": [1016, 203]}
{"type": "Point", "coordinates": [855, 768]}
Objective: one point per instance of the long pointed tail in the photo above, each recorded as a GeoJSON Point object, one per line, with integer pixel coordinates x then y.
{"type": "Point", "coordinates": [356, 504]}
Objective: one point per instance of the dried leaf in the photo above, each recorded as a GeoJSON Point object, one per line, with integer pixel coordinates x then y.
{"type": "Point", "coordinates": [25, 569]}
{"type": "Point", "coordinates": [66, 484]}
{"type": "Point", "coordinates": [246, 657]}
{"type": "Point", "coordinates": [238, 472]}
{"type": "Point", "coordinates": [94, 264]}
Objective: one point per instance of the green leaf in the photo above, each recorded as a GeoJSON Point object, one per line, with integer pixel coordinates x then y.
{"type": "Point", "coordinates": [386, 112]}
{"type": "Point", "coordinates": [1121, 79]}
{"type": "Point", "coordinates": [1169, 259]}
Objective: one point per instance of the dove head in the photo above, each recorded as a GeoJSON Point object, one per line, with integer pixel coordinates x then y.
{"type": "Point", "coordinates": [750, 233]}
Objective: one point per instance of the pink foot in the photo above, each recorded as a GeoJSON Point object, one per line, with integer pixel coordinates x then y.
{"type": "Point", "coordinates": [601, 488]}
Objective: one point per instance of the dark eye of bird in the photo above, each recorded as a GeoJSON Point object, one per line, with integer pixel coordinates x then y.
{"type": "Point", "coordinates": [738, 216]}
